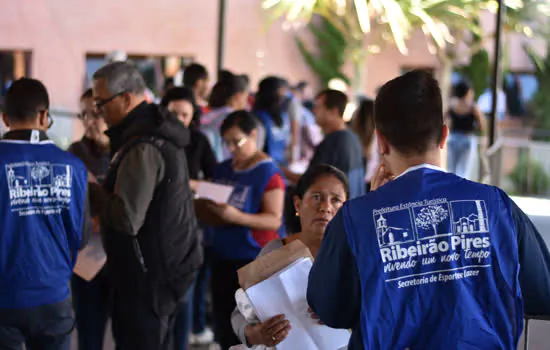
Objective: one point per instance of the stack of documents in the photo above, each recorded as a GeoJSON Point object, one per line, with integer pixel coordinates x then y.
{"type": "Point", "coordinates": [285, 293]}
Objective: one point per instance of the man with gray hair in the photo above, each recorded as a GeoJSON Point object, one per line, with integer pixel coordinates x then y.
{"type": "Point", "coordinates": [149, 228]}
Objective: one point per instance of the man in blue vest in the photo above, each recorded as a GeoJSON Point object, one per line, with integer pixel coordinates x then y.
{"type": "Point", "coordinates": [429, 260]}
{"type": "Point", "coordinates": [43, 214]}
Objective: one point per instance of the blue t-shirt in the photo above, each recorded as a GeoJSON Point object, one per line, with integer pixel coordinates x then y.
{"type": "Point", "coordinates": [342, 149]}
{"type": "Point", "coordinates": [276, 137]}
{"type": "Point", "coordinates": [430, 261]}
{"type": "Point", "coordinates": [233, 242]}
{"type": "Point", "coordinates": [42, 194]}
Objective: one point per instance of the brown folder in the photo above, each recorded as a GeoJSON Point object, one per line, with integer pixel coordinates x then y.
{"type": "Point", "coordinates": [265, 266]}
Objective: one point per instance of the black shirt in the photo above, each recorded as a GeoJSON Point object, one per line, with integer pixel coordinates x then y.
{"type": "Point", "coordinates": [94, 157]}
{"type": "Point", "coordinates": [200, 157]}
{"type": "Point", "coordinates": [465, 123]}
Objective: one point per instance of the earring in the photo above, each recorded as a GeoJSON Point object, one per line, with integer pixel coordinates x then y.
{"type": "Point", "coordinates": [297, 214]}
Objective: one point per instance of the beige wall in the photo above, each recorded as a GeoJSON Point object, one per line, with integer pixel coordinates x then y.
{"type": "Point", "coordinates": [60, 33]}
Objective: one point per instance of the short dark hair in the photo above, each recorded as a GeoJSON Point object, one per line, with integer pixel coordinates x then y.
{"type": "Point", "coordinates": [246, 79]}
{"type": "Point", "coordinates": [24, 99]}
{"type": "Point", "coordinates": [87, 94]}
{"type": "Point", "coordinates": [223, 90]}
{"type": "Point", "coordinates": [168, 82]}
{"type": "Point", "coordinates": [225, 75]}
{"type": "Point", "coordinates": [334, 99]}
{"type": "Point", "coordinates": [306, 181]}
{"type": "Point", "coordinates": [242, 119]}
{"type": "Point", "coordinates": [461, 89]}
{"type": "Point", "coordinates": [408, 112]}
{"type": "Point", "coordinates": [268, 100]}
{"type": "Point", "coordinates": [178, 94]}
{"type": "Point", "coordinates": [193, 73]}
{"type": "Point", "coordinates": [182, 93]}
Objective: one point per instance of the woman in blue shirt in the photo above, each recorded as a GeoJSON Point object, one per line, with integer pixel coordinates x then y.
{"type": "Point", "coordinates": [269, 109]}
{"type": "Point", "coordinates": [251, 218]}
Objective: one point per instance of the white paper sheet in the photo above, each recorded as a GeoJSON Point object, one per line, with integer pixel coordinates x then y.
{"type": "Point", "coordinates": [285, 293]}
{"type": "Point", "coordinates": [216, 192]}
{"type": "Point", "coordinates": [91, 259]}
{"type": "Point", "coordinates": [299, 167]}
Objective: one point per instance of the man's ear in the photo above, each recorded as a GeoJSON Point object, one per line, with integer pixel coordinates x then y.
{"type": "Point", "coordinates": [444, 136]}
{"type": "Point", "coordinates": [383, 144]}
{"type": "Point", "coordinates": [5, 120]}
{"type": "Point", "coordinates": [43, 120]}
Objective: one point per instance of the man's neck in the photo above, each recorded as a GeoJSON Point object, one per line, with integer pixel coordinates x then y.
{"type": "Point", "coordinates": [403, 163]}
{"type": "Point", "coordinates": [25, 127]}
{"type": "Point", "coordinates": [335, 125]}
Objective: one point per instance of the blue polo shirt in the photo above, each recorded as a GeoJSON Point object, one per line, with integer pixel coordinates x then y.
{"type": "Point", "coordinates": [431, 261]}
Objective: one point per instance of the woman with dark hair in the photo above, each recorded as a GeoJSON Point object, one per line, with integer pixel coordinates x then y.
{"type": "Point", "coordinates": [200, 157]}
{"type": "Point", "coordinates": [91, 301]}
{"type": "Point", "coordinates": [363, 125]}
{"type": "Point", "coordinates": [464, 119]}
{"type": "Point", "coordinates": [228, 95]}
{"type": "Point", "coordinates": [320, 192]}
{"type": "Point", "coordinates": [201, 162]}
{"type": "Point", "coordinates": [269, 107]}
{"type": "Point", "coordinates": [251, 218]}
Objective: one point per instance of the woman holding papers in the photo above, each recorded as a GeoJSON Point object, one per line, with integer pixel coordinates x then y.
{"type": "Point", "coordinates": [251, 217]}
{"type": "Point", "coordinates": [320, 192]}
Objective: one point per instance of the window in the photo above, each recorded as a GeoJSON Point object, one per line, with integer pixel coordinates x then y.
{"type": "Point", "coordinates": [520, 89]}
{"type": "Point", "coordinates": [154, 69]}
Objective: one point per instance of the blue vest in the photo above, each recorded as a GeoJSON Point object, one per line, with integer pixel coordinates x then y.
{"type": "Point", "coordinates": [276, 138]}
{"type": "Point", "coordinates": [42, 194]}
{"type": "Point", "coordinates": [236, 242]}
{"type": "Point", "coordinates": [438, 262]}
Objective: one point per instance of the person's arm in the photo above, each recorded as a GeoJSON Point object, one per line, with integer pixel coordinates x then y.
{"type": "Point", "coordinates": [479, 120]}
{"type": "Point", "coordinates": [534, 262]}
{"type": "Point", "coordinates": [139, 172]}
{"type": "Point", "coordinates": [333, 290]}
{"type": "Point", "coordinates": [270, 216]}
{"type": "Point", "coordinates": [87, 226]}
{"type": "Point", "coordinates": [291, 176]}
{"type": "Point", "coordinates": [208, 160]}
{"type": "Point", "coordinates": [242, 326]}
{"type": "Point", "coordinates": [318, 158]}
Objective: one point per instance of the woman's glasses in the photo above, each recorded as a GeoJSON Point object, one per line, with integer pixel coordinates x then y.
{"type": "Point", "coordinates": [88, 115]}
{"type": "Point", "coordinates": [235, 143]}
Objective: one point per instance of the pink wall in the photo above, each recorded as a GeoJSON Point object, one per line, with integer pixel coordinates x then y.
{"type": "Point", "coordinates": [60, 33]}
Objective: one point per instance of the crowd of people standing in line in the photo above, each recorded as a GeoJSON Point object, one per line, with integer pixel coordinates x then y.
{"type": "Point", "coordinates": [140, 164]}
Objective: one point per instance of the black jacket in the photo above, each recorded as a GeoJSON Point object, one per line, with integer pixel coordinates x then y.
{"type": "Point", "coordinates": [151, 236]}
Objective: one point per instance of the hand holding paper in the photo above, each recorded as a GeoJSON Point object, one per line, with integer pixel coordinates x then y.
{"type": "Point", "coordinates": [213, 191]}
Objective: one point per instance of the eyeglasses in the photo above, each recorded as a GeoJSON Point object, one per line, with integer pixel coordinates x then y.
{"type": "Point", "coordinates": [89, 115]}
{"type": "Point", "coordinates": [99, 104]}
{"type": "Point", "coordinates": [49, 117]}
{"type": "Point", "coordinates": [235, 143]}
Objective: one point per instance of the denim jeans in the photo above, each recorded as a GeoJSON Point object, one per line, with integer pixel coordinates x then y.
{"type": "Point", "coordinates": [46, 327]}
{"type": "Point", "coordinates": [199, 295]}
{"type": "Point", "coordinates": [184, 319]}
{"type": "Point", "coordinates": [460, 148]}
{"type": "Point", "coordinates": [91, 302]}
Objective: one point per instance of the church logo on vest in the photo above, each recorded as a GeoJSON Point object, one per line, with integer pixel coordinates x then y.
{"type": "Point", "coordinates": [422, 240]}
{"type": "Point", "coordinates": [39, 188]}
